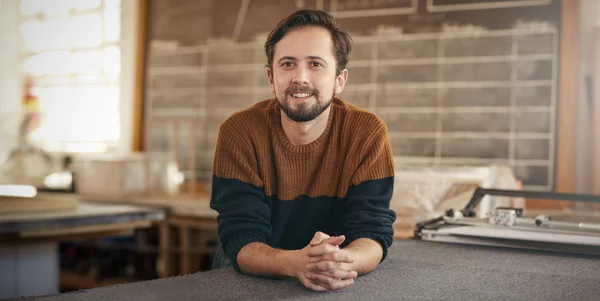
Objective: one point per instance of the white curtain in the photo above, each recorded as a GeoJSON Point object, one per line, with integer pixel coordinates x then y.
{"type": "Point", "coordinates": [10, 84]}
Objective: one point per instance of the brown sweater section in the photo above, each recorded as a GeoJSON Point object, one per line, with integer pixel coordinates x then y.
{"type": "Point", "coordinates": [252, 148]}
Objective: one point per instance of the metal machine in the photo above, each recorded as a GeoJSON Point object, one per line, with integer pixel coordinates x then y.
{"type": "Point", "coordinates": [507, 227]}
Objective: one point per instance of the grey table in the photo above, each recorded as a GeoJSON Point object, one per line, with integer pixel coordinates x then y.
{"type": "Point", "coordinates": [414, 270]}
{"type": "Point", "coordinates": [86, 214]}
{"type": "Point", "coordinates": [28, 241]}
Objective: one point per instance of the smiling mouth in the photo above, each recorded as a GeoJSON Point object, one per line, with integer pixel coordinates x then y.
{"type": "Point", "coordinates": [301, 95]}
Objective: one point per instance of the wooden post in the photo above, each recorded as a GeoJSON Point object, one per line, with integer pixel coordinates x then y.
{"type": "Point", "coordinates": [140, 66]}
{"type": "Point", "coordinates": [184, 256]}
{"type": "Point", "coordinates": [595, 179]}
{"type": "Point", "coordinates": [568, 99]}
{"type": "Point", "coordinates": [164, 259]}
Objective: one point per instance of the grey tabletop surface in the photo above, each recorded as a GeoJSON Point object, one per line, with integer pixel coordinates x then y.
{"type": "Point", "coordinates": [414, 270]}
{"type": "Point", "coordinates": [85, 214]}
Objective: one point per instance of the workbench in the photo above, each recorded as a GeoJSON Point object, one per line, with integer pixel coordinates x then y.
{"type": "Point", "coordinates": [29, 241]}
{"type": "Point", "coordinates": [186, 233]}
{"type": "Point", "coordinates": [414, 270]}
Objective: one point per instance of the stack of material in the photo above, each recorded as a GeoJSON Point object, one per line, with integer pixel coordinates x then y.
{"type": "Point", "coordinates": [22, 198]}
{"type": "Point", "coordinates": [38, 203]}
{"type": "Point", "coordinates": [422, 193]}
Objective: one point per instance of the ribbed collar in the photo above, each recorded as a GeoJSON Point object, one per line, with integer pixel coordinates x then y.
{"type": "Point", "coordinates": [275, 113]}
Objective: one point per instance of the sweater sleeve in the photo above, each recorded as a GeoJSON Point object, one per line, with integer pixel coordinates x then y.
{"type": "Point", "coordinates": [243, 210]}
{"type": "Point", "coordinates": [366, 208]}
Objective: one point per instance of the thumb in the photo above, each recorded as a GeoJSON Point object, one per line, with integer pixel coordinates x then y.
{"type": "Point", "coordinates": [336, 240]}
{"type": "Point", "coordinates": [318, 238]}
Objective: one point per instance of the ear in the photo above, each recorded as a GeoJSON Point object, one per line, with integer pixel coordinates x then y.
{"type": "Point", "coordinates": [340, 81]}
{"type": "Point", "coordinates": [270, 78]}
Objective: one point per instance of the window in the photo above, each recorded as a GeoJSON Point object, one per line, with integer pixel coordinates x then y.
{"type": "Point", "coordinates": [71, 50]}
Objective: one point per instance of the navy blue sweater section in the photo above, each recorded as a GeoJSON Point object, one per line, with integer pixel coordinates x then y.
{"type": "Point", "coordinates": [247, 215]}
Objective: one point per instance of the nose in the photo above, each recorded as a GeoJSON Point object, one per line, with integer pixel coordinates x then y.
{"type": "Point", "coordinates": [300, 75]}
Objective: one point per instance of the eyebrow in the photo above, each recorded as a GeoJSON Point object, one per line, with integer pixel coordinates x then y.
{"type": "Point", "coordinates": [316, 58]}
{"type": "Point", "coordinates": [291, 58]}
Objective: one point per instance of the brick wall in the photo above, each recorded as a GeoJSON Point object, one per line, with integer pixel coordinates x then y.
{"type": "Point", "coordinates": [474, 86]}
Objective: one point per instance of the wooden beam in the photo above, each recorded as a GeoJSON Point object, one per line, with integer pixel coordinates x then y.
{"type": "Point", "coordinates": [184, 255]}
{"type": "Point", "coordinates": [567, 106]}
{"type": "Point", "coordinates": [140, 66]}
{"type": "Point", "coordinates": [163, 264]}
{"type": "Point", "coordinates": [568, 96]}
{"type": "Point", "coordinates": [595, 59]}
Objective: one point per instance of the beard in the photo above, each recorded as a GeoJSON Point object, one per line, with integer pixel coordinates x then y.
{"type": "Point", "coordinates": [303, 112]}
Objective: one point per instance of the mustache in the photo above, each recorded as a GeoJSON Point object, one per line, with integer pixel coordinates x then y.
{"type": "Point", "coordinates": [301, 89]}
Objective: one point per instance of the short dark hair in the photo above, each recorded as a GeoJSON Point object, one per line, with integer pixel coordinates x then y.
{"type": "Point", "coordinates": [341, 39]}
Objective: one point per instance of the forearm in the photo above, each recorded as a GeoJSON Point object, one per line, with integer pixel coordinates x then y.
{"type": "Point", "coordinates": [367, 255]}
{"type": "Point", "coordinates": [368, 222]}
{"type": "Point", "coordinates": [262, 260]}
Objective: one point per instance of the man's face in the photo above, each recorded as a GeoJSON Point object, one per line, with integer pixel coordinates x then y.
{"type": "Point", "coordinates": [303, 76]}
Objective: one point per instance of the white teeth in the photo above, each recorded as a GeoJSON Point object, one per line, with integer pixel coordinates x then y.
{"type": "Point", "coordinates": [301, 95]}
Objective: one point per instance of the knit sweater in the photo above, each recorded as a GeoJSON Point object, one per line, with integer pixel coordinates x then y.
{"type": "Point", "coordinates": [265, 189]}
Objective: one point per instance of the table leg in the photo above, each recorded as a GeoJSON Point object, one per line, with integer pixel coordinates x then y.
{"type": "Point", "coordinates": [164, 261]}
{"type": "Point", "coordinates": [184, 235]}
{"type": "Point", "coordinates": [28, 270]}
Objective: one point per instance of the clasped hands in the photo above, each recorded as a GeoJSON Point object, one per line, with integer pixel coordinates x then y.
{"type": "Point", "coordinates": [328, 266]}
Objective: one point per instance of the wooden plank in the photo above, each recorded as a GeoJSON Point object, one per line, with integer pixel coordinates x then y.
{"type": "Point", "coordinates": [39, 203]}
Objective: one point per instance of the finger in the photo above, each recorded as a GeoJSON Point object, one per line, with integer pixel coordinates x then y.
{"type": "Point", "coordinates": [329, 282]}
{"type": "Point", "coordinates": [339, 256]}
{"type": "Point", "coordinates": [340, 284]}
{"type": "Point", "coordinates": [322, 266]}
{"type": "Point", "coordinates": [339, 274]}
{"type": "Point", "coordinates": [320, 279]}
{"type": "Point", "coordinates": [318, 238]}
{"type": "Point", "coordinates": [314, 286]}
{"type": "Point", "coordinates": [335, 240]}
{"type": "Point", "coordinates": [322, 249]}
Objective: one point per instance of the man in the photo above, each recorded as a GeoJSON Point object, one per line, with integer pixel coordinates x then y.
{"type": "Point", "coordinates": [302, 182]}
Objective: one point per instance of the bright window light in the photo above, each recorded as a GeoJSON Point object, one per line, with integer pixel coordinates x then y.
{"type": "Point", "coordinates": [71, 50]}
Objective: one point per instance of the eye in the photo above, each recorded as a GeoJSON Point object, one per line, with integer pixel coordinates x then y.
{"type": "Point", "coordinates": [287, 64]}
{"type": "Point", "coordinates": [317, 64]}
